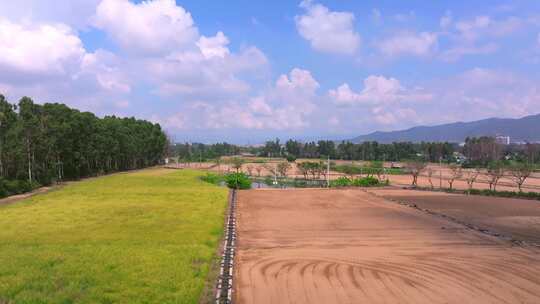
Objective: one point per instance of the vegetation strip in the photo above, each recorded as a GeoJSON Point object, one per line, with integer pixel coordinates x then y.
{"type": "Point", "coordinates": [467, 225]}
{"type": "Point", "coordinates": [225, 279]}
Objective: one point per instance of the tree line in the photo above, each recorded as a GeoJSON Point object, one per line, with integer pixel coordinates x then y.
{"type": "Point", "coordinates": [478, 151]}
{"type": "Point", "coordinates": [44, 143]}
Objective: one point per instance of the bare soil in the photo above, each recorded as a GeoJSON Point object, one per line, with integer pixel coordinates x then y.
{"type": "Point", "coordinates": [349, 246]}
{"type": "Point", "coordinates": [516, 218]}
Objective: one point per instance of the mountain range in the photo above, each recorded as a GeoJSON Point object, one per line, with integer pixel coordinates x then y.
{"type": "Point", "coordinates": [526, 129]}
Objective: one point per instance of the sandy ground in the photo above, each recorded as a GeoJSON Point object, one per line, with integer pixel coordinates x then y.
{"type": "Point", "coordinates": [516, 218]}
{"type": "Point", "coordinates": [348, 246]}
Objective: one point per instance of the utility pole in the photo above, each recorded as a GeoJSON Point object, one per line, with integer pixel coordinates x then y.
{"type": "Point", "coordinates": [328, 173]}
{"type": "Point", "coordinates": [440, 173]}
{"type": "Point", "coordinates": [275, 174]}
{"type": "Point", "coordinates": [383, 167]}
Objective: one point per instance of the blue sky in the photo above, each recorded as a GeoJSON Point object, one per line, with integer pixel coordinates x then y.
{"type": "Point", "coordinates": [247, 71]}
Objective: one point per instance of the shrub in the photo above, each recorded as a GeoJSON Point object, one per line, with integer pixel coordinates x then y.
{"type": "Point", "coordinates": [238, 181]}
{"type": "Point", "coordinates": [366, 182]}
{"type": "Point", "coordinates": [291, 158]}
{"type": "Point", "coordinates": [13, 187]}
{"type": "Point", "coordinates": [341, 182]}
{"type": "Point", "coordinates": [357, 182]}
{"type": "Point", "coordinates": [212, 178]}
{"type": "Point", "coordinates": [508, 194]}
{"type": "Point", "coordinates": [3, 189]}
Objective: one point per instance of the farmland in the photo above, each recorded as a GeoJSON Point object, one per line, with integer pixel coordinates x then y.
{"type": "Point", "coordinates": [264, 167]}
{"type": "Point", "coordinates": [349, 246]}
{"type": "Point", "coordinates": [143, 237]}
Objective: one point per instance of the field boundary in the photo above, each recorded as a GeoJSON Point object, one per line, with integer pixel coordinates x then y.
{"type": "Point", "coordinates": [224, 293]}
{"type": "Point", "coordinates": [503, 237]}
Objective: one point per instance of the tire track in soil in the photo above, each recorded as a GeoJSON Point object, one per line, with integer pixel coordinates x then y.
{"type": "Point", "coordinates": [416, 262]}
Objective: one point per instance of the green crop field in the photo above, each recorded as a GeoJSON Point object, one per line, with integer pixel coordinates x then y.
{"type": "Point", "coordinates": [144, 237]}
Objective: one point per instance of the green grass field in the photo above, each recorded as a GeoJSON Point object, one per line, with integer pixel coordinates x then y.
{"type": "Point", "coordinates": [145, 237]}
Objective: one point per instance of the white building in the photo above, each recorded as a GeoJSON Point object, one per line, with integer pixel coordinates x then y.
{"type": "Point", "coordinates": [503, 140]}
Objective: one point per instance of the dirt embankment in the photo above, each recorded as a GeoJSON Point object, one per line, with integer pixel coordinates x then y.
{"type": "Point", "coordinates": [348, 246]}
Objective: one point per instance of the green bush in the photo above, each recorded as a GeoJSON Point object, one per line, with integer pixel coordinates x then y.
{"type": "Point", "coordinates": [238, 181]}
{"type": "Point", "coordinates": [212, 178]}
{"type": "Point", "coordinates": [508, 194]}
{"type": "Point", "coordinates": [291, 158]}
{"type": "Point", "coordinates": [357, 182]}
{"type": "Point", "coordinates": [14, 187]}
{"type": "Point", "coordinates": [3, 189]}
{"type": "Point", "coordinates": [341, 182]}
{"type": "Point", "coordinates": [354, 169]}
{"type": "Point", "coordinates": [366, 182]}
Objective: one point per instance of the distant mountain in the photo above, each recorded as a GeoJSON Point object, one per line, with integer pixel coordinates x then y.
{"type": "Point", "coordinates": [522, 129]}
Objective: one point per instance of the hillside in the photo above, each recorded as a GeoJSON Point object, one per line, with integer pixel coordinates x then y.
{"type": "Point", "coordinates": [522, 129]}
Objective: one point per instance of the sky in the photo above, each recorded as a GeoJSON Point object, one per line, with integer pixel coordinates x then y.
{"type": "Point", "coordinates": [248, 71]}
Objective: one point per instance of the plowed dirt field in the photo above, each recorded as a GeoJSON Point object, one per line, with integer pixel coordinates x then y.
{"type": "Point", "coordinates": [348, 246]}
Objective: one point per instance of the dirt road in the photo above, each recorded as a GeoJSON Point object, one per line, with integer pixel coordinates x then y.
{"type": "Point", "coordinates": [347, 246]}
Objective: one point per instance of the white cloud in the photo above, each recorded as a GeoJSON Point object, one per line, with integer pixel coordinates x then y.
{"type": "Point", "coordinates": [258, 105]}
{"type": "Point", "coordinates": [456, 52]}
{"type": "Point", "coordinates": [214, 46]}
{"type": "Point", "coordinates": [377, 90]}
{"type": "Point", "coordinates": [298, 80]}
{"type": "Point", "coordinates": [481, 93]}
{"type": "Point", "coordinates": [150, 27]}
{"type": "Point", "coordinates": [105, 67]}
{"type": "Point", "coordinates": [388, 117]}
{"type": "Point", "coordinates": [194, 75]}
{"type": "Point", "coordinates": [46, 49]}
{"type": "Point", "coordinates": [166, 51]}
{"type": "Point", "coordinates": [74, 13]}
{"type": "Point", "coordinates": [49, 63]}
{"type": "Point", "coordinates": [411, 15]}
{"type": "Point", "coordinates": [328, 31]}
{"type": "Point", "coordinates": [409, 43]}
{"type": "Point", "coordinates": [481, 27]}
{"type": "Point", "coordinates": [376, 16]}
{"type": "Point", "coordinates": [471, 29]}
{"type": "Point", "coordinates": [286, 106]}
{"type": "Point", "coordinates": [446, 20]}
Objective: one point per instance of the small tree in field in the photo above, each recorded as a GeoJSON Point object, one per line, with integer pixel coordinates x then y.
{"type": "Point", "coordinates": [520, 172]}
{"type": "Point", "coordinates": [303, 169]}
{"type": "Point", "coordinates": [429, 173]}
{"type": "Point", "coordinates": [237, 163]}
{"type": "Point", "coordinates": [414, 168]}
{"type": "Point", "coordinates": [456, 172]}
{"type": "Point", "coordinates": [282, 168]}
{"type": "Point", "coordinates": [218, 164]}
{"type": "Point", "coordinates": [249, 169]}
{"type": "Point", "coordinates": [271, 169]}
{"type": "Point", "coordinates": [258, 169]}
{"type": "Point", "coordinates": [494, 172]}
{"type": "Point", "coordinates": [471, 177]}
{"type": "Point", "coordinates": [322, 169]}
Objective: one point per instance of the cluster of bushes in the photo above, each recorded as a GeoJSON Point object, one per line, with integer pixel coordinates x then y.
{"type": "Point", "coordinates": [371, 170]}
{"type": "Point", "coordinates": [14, 187]}
{"type": "Point", "coordinates": [238, 181]}
{"type": "Point", "coordinates": [212, 178]}
{"type": "Point", "coordinates": [235, 180]}
{"type": "Point", "coordinates": [357, 182]}
{"type": "Point", "coordinates": [510, 194]}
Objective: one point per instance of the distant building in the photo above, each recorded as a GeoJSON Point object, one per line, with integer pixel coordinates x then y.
{"type": "Point", "coordinates": [503, 140]}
